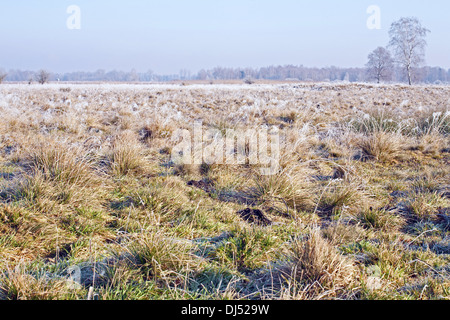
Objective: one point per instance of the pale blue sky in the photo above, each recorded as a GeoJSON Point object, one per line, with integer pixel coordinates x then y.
{"type": "Point", "coordinates": [168, 35]}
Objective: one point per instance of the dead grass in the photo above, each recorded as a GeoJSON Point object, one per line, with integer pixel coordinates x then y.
{"type": "Point", "coordinates": [358, 207]}
{"type": "Point", "coordinates": [323, 270]}
{"type": "Point", "coordinates": [288, 190]}
{"type": "Point", "coordinates": [127, 155]}
{"type": "Point", "coordinates": [18, 284]}
{"type": "Point", "coordinates": [381, 146]}
{"type": "Point", "coordinates": [424, 205]}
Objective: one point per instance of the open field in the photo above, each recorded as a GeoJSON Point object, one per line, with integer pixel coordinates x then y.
{"type": "Point", "coordinates": [359, 207]}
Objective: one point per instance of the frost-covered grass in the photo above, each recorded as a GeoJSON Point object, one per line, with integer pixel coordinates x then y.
{"type": "Point", "coordinates": [359, 208]}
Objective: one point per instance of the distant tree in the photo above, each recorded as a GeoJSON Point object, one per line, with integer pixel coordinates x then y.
{"type": "Point", "coordinates": [380, 64]}
{"type": "Point", "coordinates": [148, 76]}
{"type": "Point", "coordinates": [42, 76]}
{"type": "Point", "coordinates": [407, 40]}
{"type": "Point", "coordinates": [132, 76]}
{"type": "Point", "coordinates": [2, 76]}
{"type": "Point", "coordinates": [185, 74]}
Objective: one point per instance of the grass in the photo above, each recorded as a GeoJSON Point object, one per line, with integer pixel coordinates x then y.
{"type": "Point", "coordinates": [358, 207]}
{"type": "Point", "coordinates": [282, 192]}
{"type": "Point", "coordinates": [126, 156]}
{"type": "Point", "coordinates": [381, 146]}
{"type": "Point", "coordinates": [317, 267]}
{"type": "Point", "coordinates": [434, 121]}
{"type": "Point", "coordinates": [425, 204]}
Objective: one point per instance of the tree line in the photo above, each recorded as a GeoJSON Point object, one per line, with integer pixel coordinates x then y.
{"type": "Point", "coordinates": [286, 72]}
{"type": "Point", "coordinates": [401, 60]}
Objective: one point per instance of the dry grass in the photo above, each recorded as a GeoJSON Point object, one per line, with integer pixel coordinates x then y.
{"type": "Point", "coordinates": [381, 146]}
{"type": "Point", "coordinates": [17, 284]}
{"type": "Point", "coordinates": [319, 268]}
{"type": "Point", "coordinates": [426, 204]}
{"type": "Point", "coordinates": [284, 192]}
{"type": "Point", "coordinates": [163, 256]}
{"type": "Point", "coordinates": [127, 155]}
{"type": "Point", "coordinates": [358, 206]}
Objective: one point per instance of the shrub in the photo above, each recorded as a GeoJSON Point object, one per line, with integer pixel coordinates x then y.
{"type": "Point", "coordinates": [249, 81]}
{"type": "Point", "coordinates": [2, 76]}
{"type": "Point", "coordinates": [42, 76]}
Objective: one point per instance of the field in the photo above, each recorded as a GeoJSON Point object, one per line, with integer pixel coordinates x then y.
{"type": "Point", "coordinates": [358, 208]}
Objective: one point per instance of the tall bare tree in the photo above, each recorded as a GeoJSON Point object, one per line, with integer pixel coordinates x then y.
{"type": "Point", "coordinates": [380, 64]}
{"type": "Point", "coordinates": [407, 40]}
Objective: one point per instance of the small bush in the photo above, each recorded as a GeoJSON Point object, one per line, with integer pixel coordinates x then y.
{"type": "Point", "coordinates": [42, 76]}
{"type": "Point", "coordinates": [2, 76]}
{"type": "Point", "coordinates": [249, 81]}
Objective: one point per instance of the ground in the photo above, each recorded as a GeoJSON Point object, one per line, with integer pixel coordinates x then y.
{"type": "Point", "coordinates": [90, 196]}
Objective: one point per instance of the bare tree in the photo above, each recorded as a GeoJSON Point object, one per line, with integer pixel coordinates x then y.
{"type": "Point", "coordinates": [42, 76]}
{"type": "Point", "coordinates": [380, 64]}
{"type": "Point", "coordinates": [2, 76]}
{"type": "Point", "coordinates": [408, 44]}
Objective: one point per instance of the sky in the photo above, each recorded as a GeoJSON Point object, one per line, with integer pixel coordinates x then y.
{"type": "Point", "coordinates": [166, 36]}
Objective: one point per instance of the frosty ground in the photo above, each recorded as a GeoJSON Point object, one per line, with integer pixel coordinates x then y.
{"type": "Point", "coordinates": [90, 196]}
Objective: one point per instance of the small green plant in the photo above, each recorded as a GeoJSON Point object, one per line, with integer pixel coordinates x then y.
{"type": "Point", "coordinates": [162, 255]}
{"type": "Point", "coordinates": [246, 250]}
{"type": "Point", "coordinates": [20, 284]}
{"type": "Point", "coordinates": [340, 198]}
